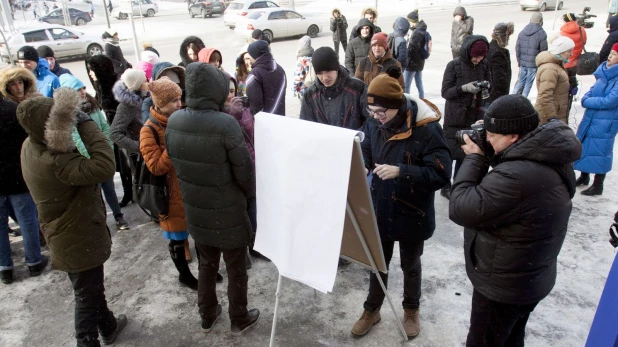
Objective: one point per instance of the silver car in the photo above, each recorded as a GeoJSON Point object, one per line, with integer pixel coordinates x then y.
{"type": "Point", "coordinates": [149, 8]}
{"type": "Point", "coordinates": [540, 5]}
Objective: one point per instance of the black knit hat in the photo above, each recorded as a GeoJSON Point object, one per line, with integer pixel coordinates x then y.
{"type": "Point", "coordinates": [511, 114]}
{"type": "Point", "coordinates": [413, 16]}
{"type": "Point", "coordinates": [569, 17]}
{"type": "Point", "coordinates": [28, 53]}
{"type": "Point", "coordinates": [45, 52]}
{"type": "Point", "coordinates": [324, 59]}
{"type": "Point", "coordinates": [258, 48]}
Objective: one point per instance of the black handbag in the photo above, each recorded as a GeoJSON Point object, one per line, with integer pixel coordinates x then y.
{"type": "Point", "coordinates": [150, 192]}
{"type": "Point", "coordinates": [588, 61]}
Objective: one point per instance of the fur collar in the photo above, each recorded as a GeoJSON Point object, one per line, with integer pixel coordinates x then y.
{"type": "Point", "coordinates": [427, 111]}
{"type": "Point", "coordinates": [124, 95]}
{"type": "Point", "coordinates": [61, 121]}
{"type": "Point", "coordinates": [25, 75]}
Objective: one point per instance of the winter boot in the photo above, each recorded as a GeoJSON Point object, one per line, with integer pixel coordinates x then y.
{"type": "Point", "coordinates": [208, 322]}
{"type": "Point", "coordinates": [597, 186]}
{"type": "Point", "coordinates": [121, 322]}
{"type": "Point", "coordinates": [366, 321]}
{"type": "Point", "coordinates": [240, 325]}
{"type": "Point", "coordinates": [185, 277]}
{"type": "Point", "coordinates": [411, 323]}
{"type": "Point", "coordinates": [121, 223]}
{"type": "Point", "coordinates": [187, 251]}
{"type": "Point", "coordinates": [37, 269]}
{"type": "Point", "coordinates": [583, 179]}
{"type": "Point", "coordinates": [446, 192]}
{"type": "Point", "coordinates": [6, 276]}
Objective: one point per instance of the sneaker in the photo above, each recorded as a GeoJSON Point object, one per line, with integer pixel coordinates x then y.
{"type": "Point", "coordinates": [243, 324]}
{"type": "Point", "coordinates": [6, 276]}
{"type": "Point", "coordinates": [366, 321]}
{"type": "Point", "coordinates": [411, 323]}
{"type": "Point", "coordinates": [37, 269]}
{"type": "Point", "coordinates": [121, 322]}
{"type": "Point", "coordinates": [207, 323]}
{"type": "Point", "coordinates": [122, 224]}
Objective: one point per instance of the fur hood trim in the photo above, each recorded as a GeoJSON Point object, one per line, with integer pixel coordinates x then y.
{"type": "Point", "coordinates": [25, 75]}
{"type": "Point", "coordinates": [124, 95]}
{"type": "Point", "coordinates": [427, 111]}
{"type": "Point", "coordinates": [62, 118]}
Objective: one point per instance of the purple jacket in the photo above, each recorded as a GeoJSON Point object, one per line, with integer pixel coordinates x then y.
{"type": "Point", "coordinates": [246, 122]}
{"type": "Point", "coordinates": [266, 72]}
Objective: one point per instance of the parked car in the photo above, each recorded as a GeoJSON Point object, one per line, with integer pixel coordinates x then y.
{"type": "Point", "coordinates": [78, 17]}
{"type": "Point", "coordinates": [149, 8]}
{"type": "Point", "coordinates": [66, 42]}
{"type": "Point", "coordinates": [278, 22]}
{"type": "Point", "coordinates": [206, 8]}
{"type": "Point", "coordinates": [540, 5]}
{"type": "Point", "coordinates": [241, 8]}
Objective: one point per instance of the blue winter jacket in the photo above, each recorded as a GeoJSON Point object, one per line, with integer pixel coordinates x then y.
{"type": "Point", "coordinates": [400, 30]}
{"type": "Point", "coordinates": [46, 81]}
{"type": "Point", "coordinates": [530, 42]}
{"type": "Point", "coordinates": [598, 129]}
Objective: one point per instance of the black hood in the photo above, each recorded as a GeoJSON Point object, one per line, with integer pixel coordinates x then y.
{"type": "Point", "coordinates": [104, 70]}
{"type": "Point", "coordinates": [183, 48]}
{"type": "Point", "coordinates": [421, 25]}
{"type": "Point", "coordinates": [464, 51]}
{"type": "Point", "coordinates": [207, 87]}
{"type": "Point", "coordinates": [613, 24]}
{"type": "Point", "coordinates": [365, 22]}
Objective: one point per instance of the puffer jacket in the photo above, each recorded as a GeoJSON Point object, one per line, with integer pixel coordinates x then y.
{"type": "Point", "coordinates": [461, 29]}
{"type": "Point", "coordinates": [359, 47]}
{"type": "Point", "coordinates": [159, 163]}
{"type": "Point", "coordinates": [344, 104]}
{"type": "Point", "coordinates": [530, 42]}
{"type": "Point", "coordinates": [46, 81]}
{"type": "Point", "coordinates": [127, 124]}
{"type": "Point", "coordinates": [611, 39]}
{"type": "Point", "coordinates": [59, 70]}
{"type": "Point", "coordinates": [499, 59]}
{"type": "Point", "coordinates": [416, 62]}
{"type": "Point", "coordinates": [552, 82]}
{"type": "Point", "coordinates": [103, 69]}
{"type": "Point", "coordinates": [157, 71]}
{"type": "Point", "coordinates": [210, 157]}
{"type": "Point", "coordinates": [515, 217]}
{"type": "Point", "coordinates": [12, 73]}
{"type": "Point", "coordinates": [63, 183]}
{"type": "Point", "coordinates": [12, 136]}
{"type": "Point", "coordinates": [184, 56]}
{"type": "Point", "coordinates": [597, 130]}
{"type": "Point", "coordinates": [462, 109]}
{"type": "Point", "coordinates": [266, 86]}
{"type": "Point", "coordinates": [400, 31]}
{"type": "Point", "coordinates": [370, 67]}
{"type": "Point", "coordinates": [413, 141]}
{"type": "Point", "coordinates": [339, 27]}
{"type": "Point", "coordinates": [572, 31]}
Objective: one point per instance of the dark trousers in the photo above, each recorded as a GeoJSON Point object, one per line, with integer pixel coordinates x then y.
{"type": "Point", "coordinates": [252, 212]}
{"type": "Point", "coordinates": [91, 312]}
{"type": "Point", "coordinates": [410, 253]}
{"type": "Point", "coordinates": [236, 264]}
{"type": "Point", "coordinates": [493, 324]}
{"type": "Point", "coordinates": [343, 43]}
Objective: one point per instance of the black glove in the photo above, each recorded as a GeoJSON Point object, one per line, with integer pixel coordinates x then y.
{"type": "Point", "coordinates": [82, 117]}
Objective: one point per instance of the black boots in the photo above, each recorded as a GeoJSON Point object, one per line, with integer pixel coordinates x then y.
{"type": "Point", "coordinates": [121, 322]}
{"type": "Point", "coordinates": [177, 252]}
{"type": "Point", "coordinates": [597, 186]}
{"type": "Point", "coordinates": [209, 321]}
{"type": "Point", "coordinates": [240, 325]}
{"type": "Point", "coordinates": [583, 179]}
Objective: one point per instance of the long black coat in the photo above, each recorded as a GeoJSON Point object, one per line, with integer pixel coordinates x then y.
{"type": "Point", "coordinates": [12, 136]}
{"type": "Point", "coordinates": [500, 66]}
{"type": "Point", "coordinates": [462, 109]}
{"type": "Point", "coordinates": [515, 217]}
{"type": "Point", "coordinates": [416, 62]}
{"type": "Point", "coordinates": [114, 53]}
{"type": "Point", "coordinates": [612, 38]}
{"type": "Point", "coordinates": [214, 167]}
{"type": "Point", "coordinates": [404, 206]}
{"type": "Point", "coordinates": [358, 48]}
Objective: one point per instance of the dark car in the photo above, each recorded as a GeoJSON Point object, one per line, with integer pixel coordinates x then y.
{"type": "Point", "coordinates": [78, 17]}
{"type": "Point", "coordinates": [206, 8]}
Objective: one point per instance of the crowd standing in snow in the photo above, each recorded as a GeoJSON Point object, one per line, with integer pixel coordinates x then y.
{"type": "Point", "coordinates": [192, 123]}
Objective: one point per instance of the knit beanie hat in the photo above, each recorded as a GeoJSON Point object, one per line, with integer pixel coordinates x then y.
{"type": "Point", "coordinates": [380, 39]}
{"type": "Point", "coordinates": [257, 34]}
{"type": "Point", "coordinates": [615, 47]}
{"type": "Point", "coordinates": [413, 16]}
{"type": "Point", "coordinates": [536, 18]}
{"type": "Point", "coordinates": [163, 91]}
{"type": "Point", "coordinates": [133, 78]}
{"type": "Point", "coordinates": [258, 48]}
{"type": "Point", "coordinates": [45, 52]}
{"type": "Point", "coordinates": [28, 53]}
{"type": "Point", "coordinates": [385, 91]}
{"type": "Point", "coordinates": [569, 17]}
{"type": "Point", "coordinates": [511, 114]}
{"type": "Point", "coordinates": [478, 49]}
{"type": "Point", "coordinates": [325, 59]}
{"type": "Point", "coordinates": [561, 44]}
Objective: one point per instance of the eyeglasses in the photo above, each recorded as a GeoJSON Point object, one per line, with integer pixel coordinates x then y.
{"type": "Point", "coordinates": [374, 113]}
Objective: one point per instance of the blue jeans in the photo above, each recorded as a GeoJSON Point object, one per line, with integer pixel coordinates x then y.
{"type": "Point", "coordinates": [525, 80]}
{"type": "Point", "coordinates": [110, 196]}
{"type": "Point", "coordinates": [25, 211]}
{"type": "Point", "coordinates": [418, 79]}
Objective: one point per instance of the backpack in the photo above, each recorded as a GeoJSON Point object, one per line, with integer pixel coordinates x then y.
{"type": "Point", "coordinates": [149, 191]}
{"type": "Point", "coordinates": [427, 46]}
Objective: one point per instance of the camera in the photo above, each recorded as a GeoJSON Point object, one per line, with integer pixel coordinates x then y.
{"type": "Point", "coordinates": [581, 19]}
{"type": "Point", "coordinates": [476, 134]}
{"type": "Point", "coordinates": [245, 101]}
{"type": "Point", "coordinates": [484, 85]}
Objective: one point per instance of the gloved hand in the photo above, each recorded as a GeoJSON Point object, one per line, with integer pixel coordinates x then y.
{"type": "Point", "coordinates": [82, 117]}
{"type": "Point", "coordinates": [236, 106]}
{"type": "Point", "coordinates": [470, 88]}
{"type": "Point", "coordinates": [573, 91]}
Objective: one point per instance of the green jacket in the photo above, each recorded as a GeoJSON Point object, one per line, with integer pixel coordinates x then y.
{"type": "Point", "coordinates": [99, 118]}
{"type": "Point", "coordinates": [63, 183]}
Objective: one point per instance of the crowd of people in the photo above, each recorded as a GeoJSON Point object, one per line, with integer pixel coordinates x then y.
{"type": "Point", "coordinates": [192, 123]}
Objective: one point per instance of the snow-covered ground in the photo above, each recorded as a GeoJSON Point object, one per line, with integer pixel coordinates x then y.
{"type": "Point", "coordinates": [141, 279]}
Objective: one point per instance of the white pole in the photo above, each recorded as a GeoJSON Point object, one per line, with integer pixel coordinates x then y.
{"type": "Point", "coordinates": [139, 3]}
{"type": "Point", "coordinates": [274, 329]}
{"type": "Point", "coordinates": [555, 15]}
{"type": "Point", "coordinates": [134, 37]}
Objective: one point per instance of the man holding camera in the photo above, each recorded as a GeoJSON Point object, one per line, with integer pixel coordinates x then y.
{"type": "Point", "coordinates": [515, 217]}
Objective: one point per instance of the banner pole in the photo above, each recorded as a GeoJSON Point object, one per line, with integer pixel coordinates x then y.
{"type": "Point", "coordinates": [277, 295]}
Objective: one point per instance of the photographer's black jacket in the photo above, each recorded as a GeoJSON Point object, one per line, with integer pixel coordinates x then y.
{"type": "Point", "coordinates": [515, 217]}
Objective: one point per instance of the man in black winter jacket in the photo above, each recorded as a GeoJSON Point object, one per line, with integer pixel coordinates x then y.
{"type": "Point", "coordinates": [336, 98]}
{"type": "Point", "coordinates": [359, 46]}
{"type": "Point", "coordinates": [266, 83]}
{"type": "Point", "coordinates": [612, 38]}
{"type": "Point", "coordinates": [515, 217]}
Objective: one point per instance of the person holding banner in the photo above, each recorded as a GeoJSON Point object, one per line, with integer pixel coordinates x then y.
{"type": "Point", "coordinates": [406, 150]}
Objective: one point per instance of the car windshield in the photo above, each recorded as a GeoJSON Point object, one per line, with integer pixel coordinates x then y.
{"type": "Point", "coordinates": [255, 15]}
{"type": "Point", "coordinates": [236, 6]}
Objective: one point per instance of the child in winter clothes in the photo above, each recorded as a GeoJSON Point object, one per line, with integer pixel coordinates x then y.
{"type": "Point", "coordinates": [303, 66]}
{"type": "Point", "coordinates": [148, 60]}
{"type": "Point", "coordinates": [90, 106]}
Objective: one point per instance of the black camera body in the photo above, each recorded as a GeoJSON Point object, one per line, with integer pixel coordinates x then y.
{"type": "Point", "coordinates": [477, 135]}
{"type": "Point", "coordinates": [581, 19]}
{"type": "Point", "coordinates": [484, 86]}
{"type": "Point", "coordinates": [245, 101]}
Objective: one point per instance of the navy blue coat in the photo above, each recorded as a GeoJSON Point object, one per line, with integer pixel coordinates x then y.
{"type": "Point", "coordinates": [612, 38]}
{"type": "Point", "coordinates": [530, 42]}
{"type": "Point", "coordinates": [59, 70]}
{"type": "Point", "coordinates": [597, 131]}
{"type": "Point", "coordinates": [266, 85]}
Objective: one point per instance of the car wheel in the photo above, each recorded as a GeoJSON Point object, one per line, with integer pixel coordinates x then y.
{"type": "Point", "coordinates": [313, 31]}
{"type": "Point", "coordinates": [268, 35]}
{"type": "Point", "coordinates": [94, 49]}
{"type": "Point", "coordinates": [560, 5]}
{"type": "Point", "coordinates": [150, 13]}
{"type": "Point", "coordinates": [80, 21]}
{"type": "Point", "coordinates": [543, 7]}
{"type": "Point", "coordinates": [123, 16]}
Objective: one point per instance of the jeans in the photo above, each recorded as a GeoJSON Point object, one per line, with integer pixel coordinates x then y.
{"type": "Point", "coordinates": [410, 253]}
{"type": "Point", "coordinates": [343, 43]}
{"type": "Point", "coordinates": [26, 213]}
{"type": "Point", "coordinates": [418, 79]}
{"type": "Point", "coordinates": [110, 196]}
{"type": "Point", "coordinates": [91, 312]}
{"type": "Point", "coordinates": [493, 324]}
{"type": "Point", "coordinates": [236, 264]}
{"type": "Point", "coordinates": [525, 80]}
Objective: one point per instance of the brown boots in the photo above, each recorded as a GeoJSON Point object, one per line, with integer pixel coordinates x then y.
{"type": "Point", "coordinates": [411, 324]}
{"type": "Point", "coordinates": [366, 321]}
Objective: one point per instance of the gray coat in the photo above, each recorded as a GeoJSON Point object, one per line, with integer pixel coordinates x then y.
{"type": "Point", "coordinates": [127, 123]}
{"type": "Point", "coordinates": [530, 42]}
{"type": "Point", "coordinates": [461, 29]}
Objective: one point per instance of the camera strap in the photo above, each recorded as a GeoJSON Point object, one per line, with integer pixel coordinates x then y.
{"type": "Point", "coordinates": [582, 38]}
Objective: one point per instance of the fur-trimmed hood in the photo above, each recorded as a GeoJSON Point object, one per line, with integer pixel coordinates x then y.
{"type": "Point", "coordinates": [427, 111]}
{"type": "Point", "coordinates": [50, 122]}
{"type": "Point", "coordinates": [183, 49]}
{"type": "Point", "coordinates": [12, 73]}
{"type": "Point", "coordinates": [336, 10]}
{"type": "Point", "coordinates": [103, 68]}
{"type": "Point", "coordinates": [124, 95]}
{"type": "Point", "coordinates": [370, 9]}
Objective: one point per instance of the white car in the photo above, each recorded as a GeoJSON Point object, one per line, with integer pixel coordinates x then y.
{"type": "Point", "coordinates": [540, 5]}
{"type": "Point", "coordinates": [277, 23]}
{"type": "Point", "coordinates": [239, 9]}
{"type": "Point", "coordinates": [66, 42]}
{"type": "Point", "coordinates": [149, 8]}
